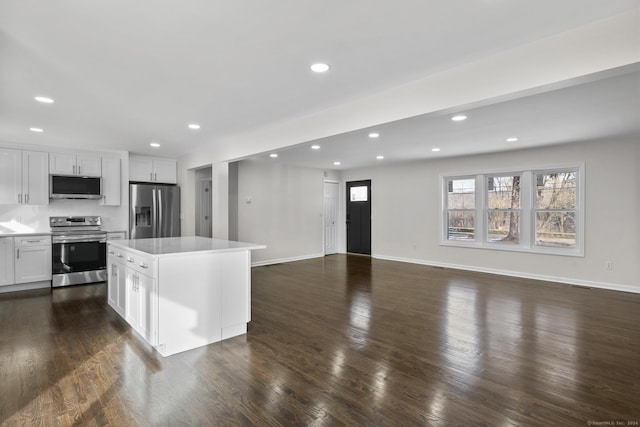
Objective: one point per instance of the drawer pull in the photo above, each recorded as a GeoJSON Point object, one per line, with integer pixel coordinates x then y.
{"type": "Point", "coordinates": [119, 255]}
{"type": "Point", "coordinates": [129, 259]}
{"type": "Point", "coordinates": [111, 252]}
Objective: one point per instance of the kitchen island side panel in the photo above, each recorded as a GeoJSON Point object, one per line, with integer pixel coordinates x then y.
{"type": "Point", "coordinates": [189, 301]}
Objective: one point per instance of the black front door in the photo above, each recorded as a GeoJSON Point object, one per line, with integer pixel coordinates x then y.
{"type": "Point", "coordinates": [359, 217]}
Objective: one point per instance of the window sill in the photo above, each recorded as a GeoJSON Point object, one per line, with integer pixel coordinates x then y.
{"type": "Point", "coordinates": [574, 252]}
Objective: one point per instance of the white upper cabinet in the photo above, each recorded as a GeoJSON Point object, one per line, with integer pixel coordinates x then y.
{"type": "Point", "coordinates": [23, 177]}
{"type": "Point", "coordinates": [85, 164]}
{"type": "Point", "coordinates": [35, 178]}
{"type": "Point", "coordinates": [10, 176]}
{"type": "Point", "coordinates": [110, 181]}
{"type": "Point", "coordinates": [165, 170]}
{"type": "Point", "coordinates": [152, 169]}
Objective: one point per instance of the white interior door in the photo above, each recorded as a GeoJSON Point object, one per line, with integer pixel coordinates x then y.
{"type": "Point", "coordinates": [330, 217]}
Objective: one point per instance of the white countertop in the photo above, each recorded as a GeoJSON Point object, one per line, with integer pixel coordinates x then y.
{"type": "Point", "coordinates": [16, 229]}
{"type": "Point", "coordinates": [182, 245]}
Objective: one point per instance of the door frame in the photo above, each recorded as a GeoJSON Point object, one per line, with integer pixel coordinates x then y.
{"type": "Point", "coordinates": [346, 202]}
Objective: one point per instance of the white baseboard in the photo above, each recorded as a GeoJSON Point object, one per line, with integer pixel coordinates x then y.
{"type": "Point", "coordinates": [563, 280]}
{"type": "Point", "coordinates": [26, 286]}
{"type": "Point", "coordinates": [282, 260]}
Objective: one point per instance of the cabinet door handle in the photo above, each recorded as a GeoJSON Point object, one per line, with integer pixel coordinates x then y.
{"type": "Point", "coordinates": [19, 198]}
{"type": "Point", "coordinates": [79, 170]}
{"type": "Point", "coordinates": [151, 176]}
{"type": "Point", "coordinates": [33, 241]}
{"type": "Point", "coordinates": [74, 169]}
{"type": "Point", "coordinates": [155, 176]}
{"type": "Point", "coordinates": [26, 198]}
{"type": "Point", "coordinates": [18, 253]}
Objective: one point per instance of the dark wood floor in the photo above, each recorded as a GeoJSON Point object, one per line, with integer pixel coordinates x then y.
{"type": "Point", "coordinates": [341, 340]}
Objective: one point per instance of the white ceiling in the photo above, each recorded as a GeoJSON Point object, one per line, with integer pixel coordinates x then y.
{"type": "Point", "coordinates": [124, 74]}
{"type": "Point", "coordinates": [607, 105]}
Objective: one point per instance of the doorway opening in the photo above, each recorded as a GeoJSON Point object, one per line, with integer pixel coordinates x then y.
{"type": "Point", "coordinates": [359, 217]}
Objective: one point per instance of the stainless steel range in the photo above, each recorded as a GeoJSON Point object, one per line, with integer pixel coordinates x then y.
{"type": "Point", "coordinates": [78, 250]}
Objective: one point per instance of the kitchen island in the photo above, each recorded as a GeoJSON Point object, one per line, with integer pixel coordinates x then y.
{"type": "Point", "coordinates": [180, 293]}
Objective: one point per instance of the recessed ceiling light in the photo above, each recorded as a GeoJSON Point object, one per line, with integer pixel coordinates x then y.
{"type": "Point", "coordinates": [315, 147]}
{"type": "Point", "coordinates": [319, 67]}
{"type": "Point", "coordinates": [44, 99]}
{"type": "Point", "coordinates": [336, 163]}
{"type": "Point", "coordinates": [435, 150]}
{"type": "Point", "coordinates": [512, 139]}
{"type": "Point", "coordinates": [459, 118]}
{"type": "Point", "coordinates": [194, 126]}
{"type": "Point", "coordinates": [154, 144]}
{"type": "Point", "coordinates": [273, 155]}
{"type": "Point", "coordinates": [36, 130]}
{"type": "Point", "coordinates": [379, 157]}
{"type": "Point", "coordinates": [374, 135]}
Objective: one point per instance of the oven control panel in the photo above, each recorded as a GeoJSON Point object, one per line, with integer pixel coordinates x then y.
{"type": "Point", "coordinates": [74, 221]}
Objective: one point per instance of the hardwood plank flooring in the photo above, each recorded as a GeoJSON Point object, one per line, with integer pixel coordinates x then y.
{"type": "Point", "coordinates": [339, 340]}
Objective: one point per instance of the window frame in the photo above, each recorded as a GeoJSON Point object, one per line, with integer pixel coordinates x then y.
{"type": "Point", "coordinates": [474, 210]}
{"type": "Point", "coordinates": [528, 210]}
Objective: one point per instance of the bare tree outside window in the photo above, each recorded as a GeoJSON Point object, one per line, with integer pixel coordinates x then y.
{"type": "Point", "coordinates": [556, 209]}
{"type": "Point", "coordinates": [503, 213]}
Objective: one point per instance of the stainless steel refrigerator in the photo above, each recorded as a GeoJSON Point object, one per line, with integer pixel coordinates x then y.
{"type": "Point", "coordinates": [154, 211]}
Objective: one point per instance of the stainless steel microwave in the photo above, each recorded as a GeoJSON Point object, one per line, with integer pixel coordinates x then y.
{"type": "Point", "coordinates": [75, 187]}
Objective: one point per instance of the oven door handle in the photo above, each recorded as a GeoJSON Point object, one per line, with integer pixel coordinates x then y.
{"type": "Point", "coordinates": [83, 239]}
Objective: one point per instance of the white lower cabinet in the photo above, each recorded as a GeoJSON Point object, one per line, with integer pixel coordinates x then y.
{"type": "Point", "coordinates": [118, 284]}
{"type": "Point", "coordinates": [148, 301]}
{"type": "Point", "coordinates": [132, 290]}
{"type": "Point", "coordinates": [33, 259]}
{"type": "Point", "coordinates": [6, 261]}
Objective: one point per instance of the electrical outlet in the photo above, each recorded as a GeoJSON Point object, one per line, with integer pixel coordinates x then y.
{"type": "Point", "coordinates": [608, 265]}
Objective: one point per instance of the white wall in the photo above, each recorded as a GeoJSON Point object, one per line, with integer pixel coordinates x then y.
{"type": "Point", "coordinates": [406, 214]}
{"type": "Point", "coordinates": [280, 206]}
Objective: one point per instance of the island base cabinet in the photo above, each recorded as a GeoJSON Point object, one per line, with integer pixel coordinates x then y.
{"type": "Point", "coordinates": [181, 302]}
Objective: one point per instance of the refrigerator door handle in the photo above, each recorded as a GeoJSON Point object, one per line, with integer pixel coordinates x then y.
{"type": "Point", "coordinates": [160, 208]}
{"type": "Point", "coordinates": [154, 210]}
